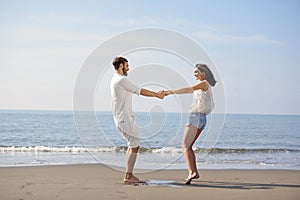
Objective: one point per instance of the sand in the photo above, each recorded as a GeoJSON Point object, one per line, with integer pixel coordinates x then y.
{"type": "Point", "coordinates": [95, 181]}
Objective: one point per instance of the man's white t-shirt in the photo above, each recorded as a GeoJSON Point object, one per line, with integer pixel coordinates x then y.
{"type": "Point", "coordinates": [121, 92]}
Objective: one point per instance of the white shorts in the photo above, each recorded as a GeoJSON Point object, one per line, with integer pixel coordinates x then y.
{"type": "Point", "coordinates": [129, 132]}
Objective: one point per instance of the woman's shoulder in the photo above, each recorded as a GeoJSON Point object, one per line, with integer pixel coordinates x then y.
{"type": "Point", "coordinates": [205, 81]}
{"type": "Point", "coordinates": [202, 85]}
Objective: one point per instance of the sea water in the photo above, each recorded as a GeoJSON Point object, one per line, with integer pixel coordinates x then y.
{"type": "Point", "coordinates": [29, 138]}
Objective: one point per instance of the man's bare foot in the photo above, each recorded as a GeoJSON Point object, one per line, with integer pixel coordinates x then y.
{"type": "Point", "coordinates": [130, 178]}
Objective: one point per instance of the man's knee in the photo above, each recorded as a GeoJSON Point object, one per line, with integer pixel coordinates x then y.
{"type": "Point", "coordinates": [135, 149]}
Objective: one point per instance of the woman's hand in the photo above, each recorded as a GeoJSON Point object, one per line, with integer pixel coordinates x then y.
{"type": "Point", "coordinates": [168, 92]}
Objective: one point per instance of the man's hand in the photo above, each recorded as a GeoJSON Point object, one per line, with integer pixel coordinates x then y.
{"type": "Point", "coordinates": [161, 94]}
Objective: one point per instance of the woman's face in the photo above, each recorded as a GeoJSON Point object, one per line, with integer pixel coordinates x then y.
{"type": "Point", "coordinates": [197, 74]}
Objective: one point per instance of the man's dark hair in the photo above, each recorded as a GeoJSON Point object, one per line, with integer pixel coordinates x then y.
{"type": "Point", "coordinates": [118, 61]}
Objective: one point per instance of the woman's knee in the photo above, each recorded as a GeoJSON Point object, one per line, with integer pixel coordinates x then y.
{"type": "Point", "coordinates": [185, 146]}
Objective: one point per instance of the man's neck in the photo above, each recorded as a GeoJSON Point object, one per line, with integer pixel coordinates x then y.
{"type": "Point", "coordinates": [120, 72]}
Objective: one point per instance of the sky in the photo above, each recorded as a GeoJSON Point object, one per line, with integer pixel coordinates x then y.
{"type": "Point", "coordinates": [254, 46]}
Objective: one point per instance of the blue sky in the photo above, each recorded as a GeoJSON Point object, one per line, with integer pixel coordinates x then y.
{"type": "Point", "coordinates": [255, 46]}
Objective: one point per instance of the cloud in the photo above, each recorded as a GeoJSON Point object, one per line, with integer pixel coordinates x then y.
{"type": "Point", "coordinates": [38, 34]}
{"type": "Point", "coordinates": [32, 46]}
{"type": "Point", "coordinates": [237, 39]}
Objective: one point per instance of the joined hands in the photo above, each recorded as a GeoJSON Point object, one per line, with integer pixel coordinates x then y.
{"type": "Point", "coordinates": [162, 93]}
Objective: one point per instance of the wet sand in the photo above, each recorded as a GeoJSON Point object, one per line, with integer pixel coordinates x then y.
{"type": "Point", "coordinates": [95, 181]}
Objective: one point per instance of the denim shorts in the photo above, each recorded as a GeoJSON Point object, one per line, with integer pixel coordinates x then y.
{"type": "Point", "coordinates": [197, 119]}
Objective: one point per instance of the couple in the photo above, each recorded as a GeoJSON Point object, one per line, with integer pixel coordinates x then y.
{"type": "Point", "coordinates": [122, 90]}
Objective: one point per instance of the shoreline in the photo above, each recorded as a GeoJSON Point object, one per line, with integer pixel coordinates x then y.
{"type": "Point", "coordinates": [96, 181]}
{"type": "Point", "coordinates": [138, 170]}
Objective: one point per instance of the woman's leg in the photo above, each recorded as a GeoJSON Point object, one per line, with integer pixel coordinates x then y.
{"type": "Point", "coordinates": [191, 134]}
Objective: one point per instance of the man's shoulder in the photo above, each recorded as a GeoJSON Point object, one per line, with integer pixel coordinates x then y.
{"type": "Point", "coordinates": [116, 78]}
{"type": "Point", "coordinates": [119, 80]}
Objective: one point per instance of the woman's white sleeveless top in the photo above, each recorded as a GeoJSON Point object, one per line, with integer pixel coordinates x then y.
{"type": "Point", "coordinates": [202, 101]}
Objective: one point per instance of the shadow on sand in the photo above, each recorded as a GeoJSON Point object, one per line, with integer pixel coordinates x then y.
{"type": "Point", "coordinates": [234, 185]}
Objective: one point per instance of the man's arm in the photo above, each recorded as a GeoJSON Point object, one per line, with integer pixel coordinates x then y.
{"type": "Point", "coordinates": [127, 85]}
{"type": "Point", "coordinates": [149, 93]}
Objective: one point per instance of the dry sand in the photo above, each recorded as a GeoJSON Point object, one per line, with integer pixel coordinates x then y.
{"type": "Point", "coordinates": [95, 181]}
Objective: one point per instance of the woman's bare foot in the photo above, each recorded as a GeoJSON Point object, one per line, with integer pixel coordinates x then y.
{"type": "Point", "coordinates": [192, 176]}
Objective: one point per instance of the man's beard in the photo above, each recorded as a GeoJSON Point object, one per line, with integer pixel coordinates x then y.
{"type": "Point", "coordinates": [124, 72]}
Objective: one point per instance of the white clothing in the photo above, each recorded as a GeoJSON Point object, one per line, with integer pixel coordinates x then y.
{"type": "Point", "coordinates": [121, 91]}
{"type": "Point", "coordinates": [202, 101]}
{"type": "Point", "coordinates": [131, 137]}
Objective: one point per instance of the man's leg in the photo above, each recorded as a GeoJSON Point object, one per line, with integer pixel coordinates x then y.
{"type": "Point", "coordinates": [131, 155]}
{"type": "Point", "coordinates": [132, 151]}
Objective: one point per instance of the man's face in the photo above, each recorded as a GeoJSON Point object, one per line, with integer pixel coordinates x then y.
{"type": "Point", "coordinates": [125, 68]}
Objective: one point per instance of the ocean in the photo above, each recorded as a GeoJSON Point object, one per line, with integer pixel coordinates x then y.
{"type": "Point", "coordinates": [34, 138]}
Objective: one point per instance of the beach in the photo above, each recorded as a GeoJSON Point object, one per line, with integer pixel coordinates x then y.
{"type": "Point", "coordinates": [96, 181]}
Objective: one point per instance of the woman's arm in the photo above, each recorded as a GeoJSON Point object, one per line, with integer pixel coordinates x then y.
{"type": "Point", "coordinates": [203, 85]}
{"type": "Point", "coordinates": [187, 90]}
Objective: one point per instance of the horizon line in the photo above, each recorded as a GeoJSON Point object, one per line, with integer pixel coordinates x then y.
{"type": "Point", "coordinates": [230, 113]}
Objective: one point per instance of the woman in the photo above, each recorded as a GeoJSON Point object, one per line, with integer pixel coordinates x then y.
{"type": "Point", "coordinates": [201, 106]}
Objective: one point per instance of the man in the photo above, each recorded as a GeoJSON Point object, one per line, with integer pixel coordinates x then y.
{"type": "Point", "coordinates": [121, 92]}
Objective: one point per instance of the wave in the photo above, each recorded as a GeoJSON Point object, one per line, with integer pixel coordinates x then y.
{"type": "Point", "coordinates": [163, 150]}
{"type": "Point", "coordinates": [244, 150]}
